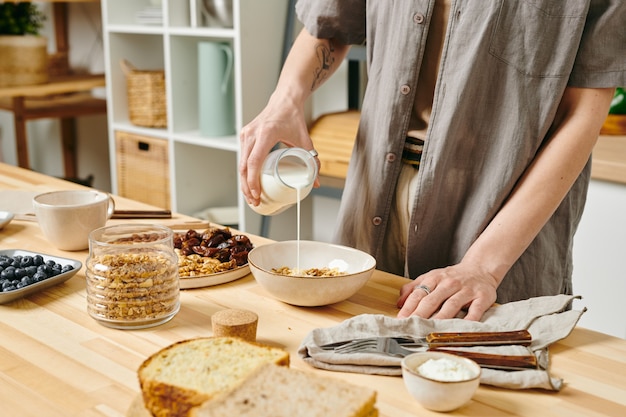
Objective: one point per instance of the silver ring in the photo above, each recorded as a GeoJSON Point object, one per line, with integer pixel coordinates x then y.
{"type": "Point", "coordinates": [313, 152]}
{"type": "Point", "coordinates": [423, 288]}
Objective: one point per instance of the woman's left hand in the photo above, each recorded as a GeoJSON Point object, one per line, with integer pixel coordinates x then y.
{"type": "Point", "coordinates": [444, 293]}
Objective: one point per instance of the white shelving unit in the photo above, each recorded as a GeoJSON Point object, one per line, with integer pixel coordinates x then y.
{"type": "Point", "coordinates": [203, 170]}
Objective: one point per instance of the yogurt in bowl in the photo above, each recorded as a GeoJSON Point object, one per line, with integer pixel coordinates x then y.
{"type": "Point", "coordinates": [445, 369]}
{"type": "Point", "coordinates": [440, 381]}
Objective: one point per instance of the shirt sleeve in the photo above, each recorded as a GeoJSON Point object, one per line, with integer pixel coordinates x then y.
{"type": "Point", "coordinates": [343, 20]}
{"type": "Point", "coordinates": [601, 58]}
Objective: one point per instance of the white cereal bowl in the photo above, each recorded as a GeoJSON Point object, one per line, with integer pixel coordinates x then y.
{"type": "Point", "coordinates": [310, 291]}
{"type": "Point", "coordinates": [435, 394]}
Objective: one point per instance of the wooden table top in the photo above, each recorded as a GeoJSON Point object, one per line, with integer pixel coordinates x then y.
{"type": "Point", "coordinates": [55, 361]}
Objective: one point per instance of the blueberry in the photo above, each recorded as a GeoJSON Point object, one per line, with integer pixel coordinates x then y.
{"type": "Point", "coordinates": [20, 273]}
{"type": "Point", "coordinates": [31, 270]}
{"type": "Point", "coordinates": [38, 260]}
{"type": "Point", "coordinates": [66, 268]}
{"type": "Point", "coordinates": [8, 273]}
{"type": "Point", "coordinates": [45, 269]}
{"type": "Point", "coordinates": [26, 281]}
{"type": "Point", "coordinates": [39, 276]}
{"type": "Point", "coordinates": [26, 261]}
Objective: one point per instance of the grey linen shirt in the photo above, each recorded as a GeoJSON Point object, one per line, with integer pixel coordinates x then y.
{"type": "Point", "coordinates": [504, 68]}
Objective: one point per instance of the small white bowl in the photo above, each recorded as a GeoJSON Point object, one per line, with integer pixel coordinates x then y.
{"type": "Point", "coordinates": [435, 394]}
{"type": "Point", "coordinates": [310, 291]}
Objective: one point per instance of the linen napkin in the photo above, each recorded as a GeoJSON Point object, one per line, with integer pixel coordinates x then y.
{"type": "Point", "coordinates": [548, 319]}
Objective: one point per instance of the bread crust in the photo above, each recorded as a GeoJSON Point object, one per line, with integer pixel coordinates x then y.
{"type": "Point", "coordinates": [165, 399]}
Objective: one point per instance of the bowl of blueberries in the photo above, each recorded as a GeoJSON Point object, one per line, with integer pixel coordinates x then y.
{"type": "Point", "coordinates": [24, 272]}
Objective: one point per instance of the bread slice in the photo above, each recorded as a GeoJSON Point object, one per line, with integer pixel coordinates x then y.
{"type": "Point", "coordinates": [275, 391]}
{"type": "Point", "coordinates": [188, 373]}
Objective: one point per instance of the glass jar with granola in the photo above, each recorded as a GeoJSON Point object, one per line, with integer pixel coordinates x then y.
{"type": "Point", "coordinates": [132, 276]}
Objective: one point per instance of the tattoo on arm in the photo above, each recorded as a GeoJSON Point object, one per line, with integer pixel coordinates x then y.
{"type": "Point", "coordinates": [326, 60]}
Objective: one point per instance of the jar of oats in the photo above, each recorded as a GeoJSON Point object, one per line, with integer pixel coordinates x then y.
{"type": "Point", "coordinates": [132, 276]}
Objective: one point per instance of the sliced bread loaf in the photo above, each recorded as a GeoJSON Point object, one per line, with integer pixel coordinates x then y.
{"type": "Point", "coordinates": [276, 391]}
{"type": "Point", "coordinates": [188, 373]}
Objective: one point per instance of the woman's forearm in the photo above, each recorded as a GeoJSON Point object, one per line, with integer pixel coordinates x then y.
{"type": "Point", "coordinates": [545, 183]}
{"type": "Point", "coordinates": [309, 64]}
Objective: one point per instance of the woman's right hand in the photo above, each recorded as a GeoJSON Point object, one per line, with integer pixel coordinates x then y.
{"type": "Point", "coordinates": [310, 62]}
{"type": "Point", "coordinates": [282, 122]}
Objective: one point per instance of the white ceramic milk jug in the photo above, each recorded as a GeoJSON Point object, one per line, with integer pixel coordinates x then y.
{"type": "Point", "coordinates": [286, 178]}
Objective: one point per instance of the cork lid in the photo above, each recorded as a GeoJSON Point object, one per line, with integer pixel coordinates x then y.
{"type": "Point", "coordinates": [235, 323]}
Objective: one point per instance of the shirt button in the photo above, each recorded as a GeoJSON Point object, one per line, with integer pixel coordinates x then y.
{"type": "Point", "coordinates": [405, 89]}
{"type": "Point", "coordinates": [377, 221]}
{"type": "Point", "coordinates": [418, 18]}
{"type": "Point", "coordinates": [391, 157]}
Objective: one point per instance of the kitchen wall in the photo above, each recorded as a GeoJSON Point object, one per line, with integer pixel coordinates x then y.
{"type": "Point", "coordinates": [600, 259]}
{"type": "Point", "coordinates": [86, 54]}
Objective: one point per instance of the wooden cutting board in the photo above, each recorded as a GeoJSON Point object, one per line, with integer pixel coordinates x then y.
{"type": "Point", "coordinates": [615, 124]}
{"type": "Point", "coordinates": [333, 136]}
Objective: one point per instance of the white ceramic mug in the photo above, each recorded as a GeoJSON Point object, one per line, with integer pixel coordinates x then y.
{"type": "Point", "coordinates": [67, 217]}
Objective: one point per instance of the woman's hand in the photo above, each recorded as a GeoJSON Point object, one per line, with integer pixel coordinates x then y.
{"type": "Point", "coordinates": [311, 61]}
{"type": "Point", "coordinates": [276, 123]}
{"type": "Point", "coordinates": [444, 293]}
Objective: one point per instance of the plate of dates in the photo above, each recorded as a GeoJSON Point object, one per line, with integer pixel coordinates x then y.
{"type": "Point", "coordinates": [210, 257]}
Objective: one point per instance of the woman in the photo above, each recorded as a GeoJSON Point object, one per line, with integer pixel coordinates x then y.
{"type": "Point", "coordinates": [471, 164]}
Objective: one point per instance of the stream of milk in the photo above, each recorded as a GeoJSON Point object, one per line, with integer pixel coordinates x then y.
{"type": "Point", "coordinates": [295, 181]}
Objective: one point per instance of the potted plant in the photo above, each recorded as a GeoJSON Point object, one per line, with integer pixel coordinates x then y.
{"type": "Point", "coordinates": [24, 52]}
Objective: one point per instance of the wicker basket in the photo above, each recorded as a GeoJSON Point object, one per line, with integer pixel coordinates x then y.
{"type": "Point", "coordinates": [146, 96]}
{"type": "Point", "coordinates": [143, 169]}
{"type": "Point", "coordinates": [24, 60]}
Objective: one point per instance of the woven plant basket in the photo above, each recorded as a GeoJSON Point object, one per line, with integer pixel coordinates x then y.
{"type": "Point", "coordinates": [23, 60]}
{"type": "Point", "coordinates": [146, 96]}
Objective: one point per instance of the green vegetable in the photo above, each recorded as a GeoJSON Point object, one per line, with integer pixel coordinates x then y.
{"type": "Point", "coordinates": [22, 18]}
